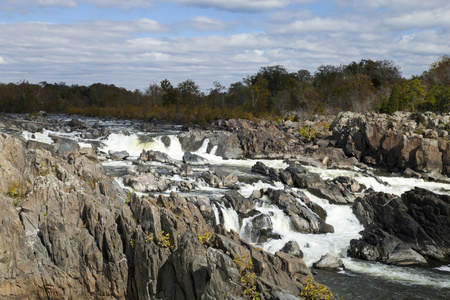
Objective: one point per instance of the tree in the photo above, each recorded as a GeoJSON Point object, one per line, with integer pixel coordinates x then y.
{"type": "Point", "coordinates": [392, 105]}
{"type": "Point", "coordinates": [259, 95]}
{"type": "Point", "coordinates": [154, 94]}
{"type": "Point", "coordinates": [169, 94]}
{"type": "Point", "coordinates": [217, 95]}
{"type": "Point", "coordinates": [188, 92]}
{"type": "Point", "coordinates": [439, 72]}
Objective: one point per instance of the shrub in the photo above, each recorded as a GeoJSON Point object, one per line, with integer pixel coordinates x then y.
{"type": "Point", "coordinates": [164, 240]}
{"type": "Point", "coordinates": [248, 276]}
{"type": "Point", "coordinates": [205, 236]}
{"type": "Point", "coordinates": [314, 291]}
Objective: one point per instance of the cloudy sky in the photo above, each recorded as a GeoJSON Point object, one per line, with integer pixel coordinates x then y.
{"type": "Point", "coordinates": [132, 43]}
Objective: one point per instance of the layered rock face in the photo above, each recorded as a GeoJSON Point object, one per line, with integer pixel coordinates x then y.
{"type": "Point", "coordinates": [69, 231]}
{"type": "Point", "coordinates": [404, 230]}
{"type": "Point", "coordinates": [403, 140]}
{"type": "Point", "coordinates": [243, 139]}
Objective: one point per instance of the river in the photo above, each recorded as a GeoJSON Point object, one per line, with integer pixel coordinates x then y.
{"type": "Point", "coordinates": [358, 280]}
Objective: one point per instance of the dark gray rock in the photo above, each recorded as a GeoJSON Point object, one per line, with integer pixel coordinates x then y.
{"type": "Point", "coordinates": [194, 159]}
{"type": "Point", "coordinates": [292, 248]}
{"type": "Point", "coordinates": [118, 155]}
{"type": "Point", "coordinates": [425, 222]}
{"type": "Point", "coordinates": [219, 179]}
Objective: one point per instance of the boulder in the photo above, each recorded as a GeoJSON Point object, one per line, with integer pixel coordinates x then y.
{"type": "Point", "coordinates": [292, 248]}
{"type": "Point", "coordinates": [194, 159]}
{"type": "Point", "coordinates": [329, 261]}
{"type": "Point", "coordinates": [118, 155]}
{"type": "Point", "coordinates": [219, 179]}
{"type": "Point", "coordinates": [147, 182]}
{"type": "Point", "coordinates": [425, 222]}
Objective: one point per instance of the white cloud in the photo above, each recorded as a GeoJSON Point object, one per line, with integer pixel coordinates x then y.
{"type": "Point", "coordinates": [203, 23]}
{"type": "Point", "coordinates": [134, 52]}
{"type": "Point", "coordinates": [439, 17]}
{"type": "Point", "coordinates": [315, 25]}
{"type": "Point", "coordinates": [123, 4]}
{"type": "Point", "coordinates": [61, 3]}
{"type": "Point", "coordinates": [236, 5]}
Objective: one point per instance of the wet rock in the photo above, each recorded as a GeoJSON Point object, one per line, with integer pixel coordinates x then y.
{"type": "Point", "coordinates": [185, 170]}
{"type": "Point", "coordinates": [239, 203]}
{"type": "Point", "coordinates": [76, 124]}
{"type": "Point", "coordinates": [329, 261]}
{"type": "Point", "coordinates": [219, 179]}
{"type": "Point", "coordinates": [303, 219]}
{"type": "Point", "coordinates": [292, 248]}
{"type": "Point", "coordinates": [184, 186]}
{"type": "Point", "coordinates": [424, 217]}
{"type": "Point", "coordinates": [158, 156]}
{"type": "Point", "coordinates": [194, 159]}
{"type": "Point", "coordinates": [166, 141]}
{"type": "Point", "coordinates": [118, 155]}
{"type": "Point", "coordinates": [408, 173]}
{"type": "Point", "coordinates": [258, 228]}
{"type": "Point", "coordinates": [147, 182]}
{"type": "Point", "coordinates": [32, 127]}
{"type": "Point", "coordinates": [240, 138]}
{"type": "Point", "coordinates": [260, 168]}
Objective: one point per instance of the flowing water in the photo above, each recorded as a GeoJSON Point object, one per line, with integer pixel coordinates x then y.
{"type": "Point", "coordinates": [359, 279]}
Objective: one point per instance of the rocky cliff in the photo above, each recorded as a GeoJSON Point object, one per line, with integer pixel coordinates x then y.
{"type": "Point", "coordinates": [397, 142]}
{"type": "Point", "coordinates": [69, 231]}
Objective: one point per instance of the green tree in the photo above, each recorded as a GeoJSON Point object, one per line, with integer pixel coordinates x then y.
{"type": "Point", "coordinates": [169, 94]}
{"type": "Point", "coordinates": [188, 93]}
{"type": "Point", "coordinates": [392, 105]}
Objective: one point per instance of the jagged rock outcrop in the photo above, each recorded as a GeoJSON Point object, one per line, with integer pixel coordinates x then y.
{"type": "Point", "coordinates": [404, 230]}
{"type": "Point", "coordinates": [337, 191]}
{"type": "Point", "coordinates": [241, 138]}
{"type": "Point", "coordinates": [69, 231]}
{"type": "Point", "coordinates": [152, 155]}
{"type": "Point", "coordinates": [219, 179]}
{"type": "Point", "coordinates": [403, 140]}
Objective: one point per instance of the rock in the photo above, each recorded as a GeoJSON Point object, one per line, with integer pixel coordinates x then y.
{"type": "Point", "coordinates": [392, 142]}
{"type": "Point", "coordinates": [194, 159]}
{"type": "Point", "coordinates": [158, 156]}
{"type": "Point", "coordinates": [240, 138]}
{"type": "Point", "coordinates": [425, 219]}
{"type": "Point", "coordinates": [118, 155]}
{"type": "Point", "coordinates": [166, 141]}
{"type": "Point", "coordinates": [258, 228]}
{"type": "Point", "coordinates": [32, 127]}
{"type": "Point", "coordinates": [408, 173]}
{"type": "Point", "coordinates": [219, 179]}
{"type": "Point", "coordinates": [292, 248]}
{"type": "Point", "coordinates": [239, 203]}
{"type": "Point", "coordinates": [185, 170]}
{"type": "Point", "coordinates": [76, 124]}
{"type": "Point", "coordinates": [147, 182]}
{"type": "Point", "coordinates": [260, 168]}
{"type": "Point", "coordinates": [429, 157]}
{"type": "Point", "coordinates": [64, 147]}
{"type": "Point", "coordinates": [302, 219]}
{"type": "Point", "coordinates": [329, 261]}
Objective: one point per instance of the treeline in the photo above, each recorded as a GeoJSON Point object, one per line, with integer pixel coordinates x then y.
{"type": "Point", "coordinates": [359, 86]}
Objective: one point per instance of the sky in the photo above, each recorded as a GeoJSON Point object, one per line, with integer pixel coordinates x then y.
{"type": "Point", "coordinates": [134, 43]}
